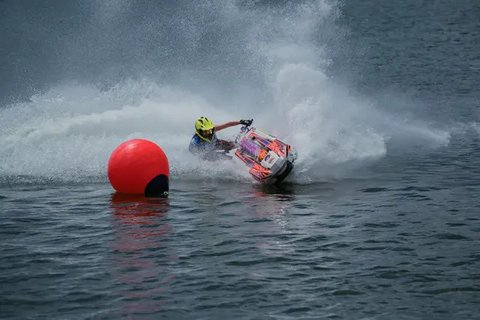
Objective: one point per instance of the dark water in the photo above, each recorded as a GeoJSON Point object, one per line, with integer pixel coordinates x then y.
{"type": "Point", "coordinates": [376, 248]}
{"type": "Point", "coordinates": [398, 238]}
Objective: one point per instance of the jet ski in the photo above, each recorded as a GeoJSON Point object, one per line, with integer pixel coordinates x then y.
{"type": "Point", "coordinates": [268, 159]}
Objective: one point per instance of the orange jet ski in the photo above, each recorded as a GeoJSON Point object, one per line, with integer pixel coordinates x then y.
{"type": "Point", "coordinates": [269, 160]}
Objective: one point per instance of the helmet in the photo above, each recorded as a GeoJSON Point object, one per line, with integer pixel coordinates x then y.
{"type": "Point", "coordinates": [204, 128]}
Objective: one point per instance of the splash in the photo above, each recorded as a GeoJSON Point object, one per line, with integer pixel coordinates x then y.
{"type": "Point", "coordinates": [261, 61]}
{"type": "Point", "coordinates": [69, 133]}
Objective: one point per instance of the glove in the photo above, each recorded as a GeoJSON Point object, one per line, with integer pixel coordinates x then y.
{"type": "Point", "coordinates": [246, 122]}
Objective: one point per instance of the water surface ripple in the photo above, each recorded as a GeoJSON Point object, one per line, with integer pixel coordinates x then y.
{"type": "Point", "coordinates": [353, 251]}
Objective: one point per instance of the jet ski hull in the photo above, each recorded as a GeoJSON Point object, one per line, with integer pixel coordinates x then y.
{"type": "Point", "coordinates": [269, 160]}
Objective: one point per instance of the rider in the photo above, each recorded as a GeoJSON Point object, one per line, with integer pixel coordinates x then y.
{"type": "Point", "coordinates": [205, 142]}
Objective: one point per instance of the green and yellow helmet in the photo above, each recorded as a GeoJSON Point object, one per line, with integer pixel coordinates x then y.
{"type": "Point", "coordinates": [204, 128]}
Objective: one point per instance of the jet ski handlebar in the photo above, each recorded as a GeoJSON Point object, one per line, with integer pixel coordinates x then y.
{"type": "Point", "coordinates": [245, 124]}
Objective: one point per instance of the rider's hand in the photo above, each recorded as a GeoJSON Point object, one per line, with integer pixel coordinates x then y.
{"type": "Point", "coordinates": [246, 122]}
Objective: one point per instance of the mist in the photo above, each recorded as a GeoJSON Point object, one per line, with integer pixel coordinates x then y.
{"type": "Point", "coordinates": [82, 77]}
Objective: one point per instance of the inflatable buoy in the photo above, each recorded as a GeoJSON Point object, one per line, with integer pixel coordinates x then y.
{"type": "Point", "coordinates": [139, 166]}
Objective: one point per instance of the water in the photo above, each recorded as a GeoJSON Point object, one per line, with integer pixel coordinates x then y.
{"type": "Point", "coordinates": [379, 219]}
{"type": "Point", "coordinates": [369, 249]}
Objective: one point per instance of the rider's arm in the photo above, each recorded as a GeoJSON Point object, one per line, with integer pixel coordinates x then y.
{"type": "Point", "coordinates": [226, 125]}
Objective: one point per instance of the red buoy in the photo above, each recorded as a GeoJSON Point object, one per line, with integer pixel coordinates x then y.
{"type": "Point", "coordinates": [139, 166]}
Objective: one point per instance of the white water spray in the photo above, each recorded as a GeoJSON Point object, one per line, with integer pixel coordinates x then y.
{"type": "Point", "coordinates": [69, 132]}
